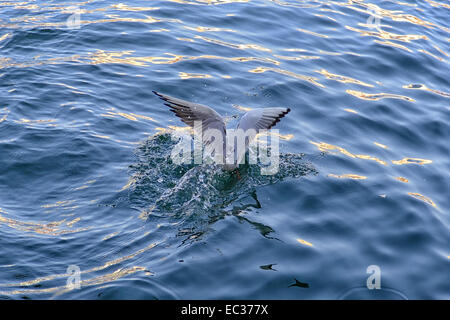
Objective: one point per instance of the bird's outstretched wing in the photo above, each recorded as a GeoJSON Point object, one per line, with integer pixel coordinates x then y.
{"type": "Point", "coordinates": [252, 123]}
{"type": "Point", "coordinates": [260, 119]}
{"type": "Point", "coordinates": [190, 112]}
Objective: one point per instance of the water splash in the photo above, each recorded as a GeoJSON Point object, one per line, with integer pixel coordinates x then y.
{"type": "Point", "coordinates": [194, 196]}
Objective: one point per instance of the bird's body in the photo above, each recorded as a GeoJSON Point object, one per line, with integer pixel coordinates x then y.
{"type": "Point", "coordinates": [211, 126]}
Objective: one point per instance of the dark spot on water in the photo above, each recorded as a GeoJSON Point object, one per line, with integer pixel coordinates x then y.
{"type": "Point", "coordinates": [299, 284]}
{"type": "Point", "coordinates": [269, 267]}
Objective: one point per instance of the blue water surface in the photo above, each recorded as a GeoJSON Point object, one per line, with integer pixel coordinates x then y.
{"type": "Point", "coordinates": [86, 177]}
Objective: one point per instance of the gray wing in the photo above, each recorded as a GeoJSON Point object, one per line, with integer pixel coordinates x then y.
{"type": "Point", "coordinates": [190, 112]}
{"type": "Point", "coordinates": [254, 121]}
{"type": "Point", "coordinates": [260, 119]}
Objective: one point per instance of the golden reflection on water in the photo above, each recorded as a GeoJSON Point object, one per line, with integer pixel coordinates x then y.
{"type": "Point", "coordinates": [312, 33]}
{"type": "Point", "coordinates": [71, 223]}
{"type": "Point", "coordinates": [114, 275]}
{"type": "Point", "coordinates": [86, 185]}
{"type": "Point", "coordinates": [58, 204]}
{"type": "Point", "coordinates": [422, 198]}
{"type": "Point", "coordinates": [109, 277]}
{"type": "Point", "coordinates": [6, 35]}
{"type": "Point", "coordinates": [185, 75]}
{"type": "Point", "coordinates": [112, 18]}
{"type": "Point", "coordinates": [301, 57]}
{"type": "Point", "coordinates": [130, 182]}
{"type": "Point", "coordinates": [304, 242]}
{"type": "Point", "coordinates": [159, 30]}
{"type": "Point", "coordinates": [186, 39]}
{"type": "Point", "coordinates": [341, 78]}
{"type": "Point", "coordinates": [377, 96]}
{"type": "Point", "coordinates": [325, 147]}
{"type": "Point", "coordinates": [5, 115]}
{"type": "Point", "coordinates": [424, 87]}
{"type": "Point", "coordinates": [347, 176]}
{"type": "Point", "coordinates": [109, 236]}
{"type": "Point", "coordinates": [325, 16]}
{"type": "Point", "coordinates": [101, 57]}
{"type": "Point", "coordinates": [440, 50]}
{"type": "Point", "coordinates": [388, 35]}
{"type": "Point", "coordinates": [209, 29]}
{"type": "Point", "coordinates": [432, 55]}
{"type": "Point", "coordinates": [438, 4]}
{"type": "Point", "coordinates": [37, 121]}
{"type": "Point", "coordinates": [380, 145]}
{"type": "Point", "coordinates": [384, 13]}
{"type": "Point", "coordinates": [122, 142]}
{"type": "Point", "coordinates": [54, 228]}
{"type": "Point", "coordinates": [393, 44]}
{"type": "Point", "coordinates": [130, 116]}
{"type": "Point", "coordinates": [411, 161]}
{"type": "Point", "coordinates": [350, 110]}
{"type": "Point", "coordinates": [122, 57]}
{"type": "Point", "coordinates": [124, 7]}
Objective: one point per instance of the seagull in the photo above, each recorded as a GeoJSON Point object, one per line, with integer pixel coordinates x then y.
{"type": "Point", "coordinates": [254, 120]}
